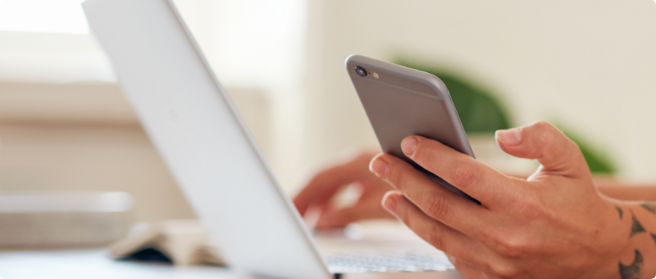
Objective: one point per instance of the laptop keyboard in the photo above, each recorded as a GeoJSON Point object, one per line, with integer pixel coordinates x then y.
{"type": "Point", "coordinates": [386, 262]}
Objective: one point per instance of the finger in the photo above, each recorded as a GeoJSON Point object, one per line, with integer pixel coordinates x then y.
{"type": "Point", "coordinates": [367, 207]}
{"type": "Point", "coordinates": [323, 186]}
{"type": "Point", "coordinates": [462, 171]}
{"type": "Point", "coordinates": [337, 218]}
{"type": "Point", "coordinates": [435, 233]}
{"type": "Point", "coordinates": [437, 202]}
{"type": "Point", "coordinates": [545, 143]}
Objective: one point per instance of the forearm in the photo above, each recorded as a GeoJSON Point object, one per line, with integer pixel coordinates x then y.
{"type": "Point", "coordinates": [628, 193]}
{"type": "Point", "coordinates": [639, 224]}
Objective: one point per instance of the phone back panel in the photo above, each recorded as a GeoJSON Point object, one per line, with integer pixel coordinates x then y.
{"type": "Point", "coordinates": [402, 102]}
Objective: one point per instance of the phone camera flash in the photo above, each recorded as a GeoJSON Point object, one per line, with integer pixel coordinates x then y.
{"type": "Point", "coordinates": [375, 75]}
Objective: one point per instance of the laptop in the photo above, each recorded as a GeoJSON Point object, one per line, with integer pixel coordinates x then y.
{"type": "Point", "coordinates": [211, 154]}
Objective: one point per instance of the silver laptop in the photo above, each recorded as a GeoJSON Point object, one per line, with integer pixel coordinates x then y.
{"type": "Point", "coordinates": [208, 149]}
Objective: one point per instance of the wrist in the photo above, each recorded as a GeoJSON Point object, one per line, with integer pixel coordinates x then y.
{"type": "Point", "coordinates": [631, 242]}
{"type": "Point", "coordinates": [615, 244]}
{"type": "Point", "coordinates": [641, 252]}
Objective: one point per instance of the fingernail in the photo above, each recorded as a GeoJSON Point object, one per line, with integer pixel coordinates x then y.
{"type": "Point", "coordinates": [408, 145]}
{"type": "Point", "coordinates": [389, 203]}
{"type": "Point", "coordinates": [510, 136]}
{"type": "Point", "coordinates": [379, 166]}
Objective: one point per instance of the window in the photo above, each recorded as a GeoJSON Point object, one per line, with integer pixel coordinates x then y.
{"type": "Point", "coordinates": [43, 16]}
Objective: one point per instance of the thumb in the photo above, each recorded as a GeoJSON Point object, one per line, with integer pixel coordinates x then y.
{"type": "Point", "coordinates": [546, 144]}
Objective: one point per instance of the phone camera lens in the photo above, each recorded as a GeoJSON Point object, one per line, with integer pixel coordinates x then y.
{"type": "Point", "coordinates": [360, 71]}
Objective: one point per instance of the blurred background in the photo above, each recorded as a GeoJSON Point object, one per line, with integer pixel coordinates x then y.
{"type": "Point", "coordinates": [587, 66]}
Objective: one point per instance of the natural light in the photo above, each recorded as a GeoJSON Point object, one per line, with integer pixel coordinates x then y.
{"type": "Point", "coordinates": [43, 16]}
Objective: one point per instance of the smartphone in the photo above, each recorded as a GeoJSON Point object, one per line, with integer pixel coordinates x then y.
{"type": "Point", "coordinates": [401, 102]}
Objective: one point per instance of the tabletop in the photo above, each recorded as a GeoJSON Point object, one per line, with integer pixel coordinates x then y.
{"type": "Point", "coordinates": [95, 263]}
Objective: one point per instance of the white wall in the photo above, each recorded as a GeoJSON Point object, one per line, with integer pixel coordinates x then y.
{"type": "Point", "coordinates": [590, 65]}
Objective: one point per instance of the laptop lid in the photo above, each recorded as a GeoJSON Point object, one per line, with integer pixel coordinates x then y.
{"type": "Point", "coordinates": [201, 137]}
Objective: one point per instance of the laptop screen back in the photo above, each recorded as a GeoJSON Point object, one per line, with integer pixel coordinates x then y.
{"type": "Point", "coordinates": [199, 134]}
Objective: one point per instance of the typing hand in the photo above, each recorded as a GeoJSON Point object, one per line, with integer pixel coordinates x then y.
{"type": "Point", "coordinates": [552, 225]}
{"type": "Point", "coordinates": [323, 187]}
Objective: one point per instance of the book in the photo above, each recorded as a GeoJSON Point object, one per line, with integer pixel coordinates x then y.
{"type": "Point", "coordinates": [180, 242]}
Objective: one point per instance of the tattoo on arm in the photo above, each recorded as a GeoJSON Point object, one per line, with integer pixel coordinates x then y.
{"type": "Point", "coordinates": [632, 271]}
{"type": "Point", "coordinates": [636, 227]}
{"type": "Point", "coordinates": [649, 206]}
{"type": "Point", "coordinates": [653, 236]}
{"type": "Point", "coordinates": [619, 210]}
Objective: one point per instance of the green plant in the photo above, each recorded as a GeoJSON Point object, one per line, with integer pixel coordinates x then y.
{"type": "Point", "coordinates": [598, 162]}
{"type": "Point", "coordinates": [481, 112]}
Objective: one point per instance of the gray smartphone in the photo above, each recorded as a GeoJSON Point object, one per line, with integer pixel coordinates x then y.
{"type": "Point", "coordinates": [401, 102]}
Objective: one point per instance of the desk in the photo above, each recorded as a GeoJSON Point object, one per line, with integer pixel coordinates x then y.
{"type": "Point", "coordinates": [95, 263]}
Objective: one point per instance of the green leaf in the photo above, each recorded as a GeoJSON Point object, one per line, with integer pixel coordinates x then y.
{"type": "Point", "coordinates": [482, 112]}
{"type": "Point", "coordinates": [598, 162]}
